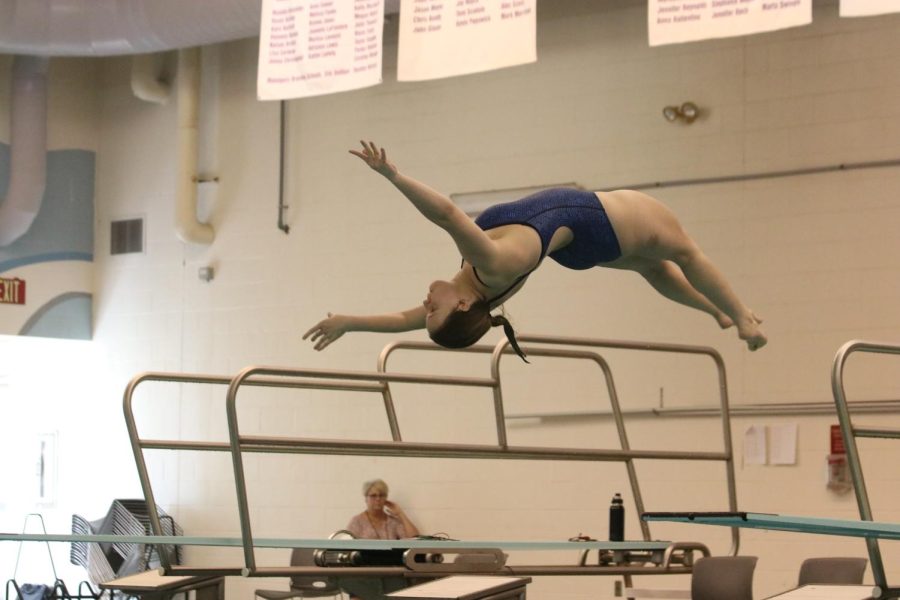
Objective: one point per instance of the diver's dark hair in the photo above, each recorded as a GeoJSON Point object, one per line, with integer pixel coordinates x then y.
{"type": "Point", "coordinates": [462, 328]}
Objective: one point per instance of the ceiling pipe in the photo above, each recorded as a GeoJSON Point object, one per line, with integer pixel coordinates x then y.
{"type": "Point", "coordinates": [147, 79]}
{"type": "Point", "coordinates": [187, 83]}
{"type": "Point", "coordinates": [28, 148]}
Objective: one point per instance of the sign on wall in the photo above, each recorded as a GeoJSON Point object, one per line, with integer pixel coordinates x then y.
{"type": "Point", "coordinates": [442, 38]}
{"type": "Point", "coordinates": [865, 8]}
{"type": "Point", "coordinates": [676, 21]}
{"type": "Point", "coordinates": [12, 291]}
{"type": "Point", "coordinates": [314, 47]}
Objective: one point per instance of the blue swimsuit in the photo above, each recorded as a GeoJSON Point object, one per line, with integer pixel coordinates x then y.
{"type": "Point", "coordinates": [594, 240]}
{"type": "Point", "coordinates": [546, 211]}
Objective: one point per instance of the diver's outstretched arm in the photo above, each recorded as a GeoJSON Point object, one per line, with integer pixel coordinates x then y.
{"type": "Point", "coordinates": [475, 246]}
{"type": "Point", "coordinates": [334, 326]}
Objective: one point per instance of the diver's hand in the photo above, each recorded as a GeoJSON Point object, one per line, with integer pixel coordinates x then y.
{"type": "Point", "coordinates": [327, 330]}
{"type": "Point", "coordinates": [376, 158]}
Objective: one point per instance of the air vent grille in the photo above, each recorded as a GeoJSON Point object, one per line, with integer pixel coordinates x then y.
{"type": "Point", "coordinates": [127, 236]}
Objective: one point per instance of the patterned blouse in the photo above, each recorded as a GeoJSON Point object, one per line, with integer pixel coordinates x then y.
{"type": "Point", "coordinates": [363, 527]}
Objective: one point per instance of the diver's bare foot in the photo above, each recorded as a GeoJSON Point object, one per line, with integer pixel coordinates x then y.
{"type": "Point", "coordinates": [756, 342]}
{"type": "Point", "coordinates": [724, 320]}
{"type": "Point", "coordinates": [750, 332]}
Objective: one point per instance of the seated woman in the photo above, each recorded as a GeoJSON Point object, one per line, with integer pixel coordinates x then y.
{"type": "Point", "coordinates": [622, 229]}
{"type": "Point", "coordinates": [382, 519]}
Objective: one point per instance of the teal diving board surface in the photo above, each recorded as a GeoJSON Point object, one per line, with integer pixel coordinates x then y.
{"type": "Point", "coordinates": [329, 544]}
{"type": "Point", "coordinates": [846, 528]}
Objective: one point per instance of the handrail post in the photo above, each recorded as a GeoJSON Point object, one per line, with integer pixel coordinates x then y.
{"type": "Point", "coordinates": [849, 437]}
{"type": "Point", "coordinates": [729, 447]}
{"type": "Point", "coordinates": [723, 395]}
{"type": "Point", "coordinates": [503, 346]}
{"type": "Point", "coordinates": [240, 481]}
{"type": "Point", "coordinates": [624, 443]}
{"type": "Point", "coordinates": [499, 414]}
{"type": "Point", "coordinates": [141, 464]}
{"type": "Point", "coordinates": [388, 397]}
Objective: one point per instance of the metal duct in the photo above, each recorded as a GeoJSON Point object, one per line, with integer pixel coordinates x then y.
{"type": "Point", "coordinates": [28, 148]}
{"type": "Point", "coordinates": [187, 227]}
{"type": "Point", "coordinates": [109, 27]}
{"type": "Point", "coordinates": [146, 78]}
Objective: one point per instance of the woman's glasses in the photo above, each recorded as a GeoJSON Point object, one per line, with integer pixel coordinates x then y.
{"type": "Point", "coordinates": [376, 495]}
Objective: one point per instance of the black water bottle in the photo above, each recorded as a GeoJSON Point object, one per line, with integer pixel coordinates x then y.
{"type": "Point", "coordinates": [617, 519]}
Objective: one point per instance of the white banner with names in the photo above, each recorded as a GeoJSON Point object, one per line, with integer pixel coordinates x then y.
{"type": "Point", "coordinates": [676, 21]}
{"type": "Point", "coordinates": [314, 47]}
{"type": "Point", "coordinates": [865, 8]}
{"type": "Point", "coordinates": [443, 38]}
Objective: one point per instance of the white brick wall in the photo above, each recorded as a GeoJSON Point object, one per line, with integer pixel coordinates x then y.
{"type": "Point", "coordinates": [816, 256]}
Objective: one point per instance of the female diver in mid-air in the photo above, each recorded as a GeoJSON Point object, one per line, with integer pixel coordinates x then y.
{"type": "Point", "coordinates": [622, 229]}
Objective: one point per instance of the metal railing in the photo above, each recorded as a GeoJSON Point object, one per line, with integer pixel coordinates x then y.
{"type": "Point", "coordinates": [380, 382]}
{"type": "Point", "coordinates": [849, 434]}
{"type": "Point", "coordinates": [502, 348]}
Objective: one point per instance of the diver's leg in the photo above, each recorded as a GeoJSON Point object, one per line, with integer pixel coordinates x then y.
{"type": "Point", "coordinates": [667, 279]}
{"type": "Point", "coordinates": [663, 238]}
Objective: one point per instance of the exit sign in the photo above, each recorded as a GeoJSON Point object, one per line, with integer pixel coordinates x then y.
{"type": "Point", "coordinates": [12, 291]}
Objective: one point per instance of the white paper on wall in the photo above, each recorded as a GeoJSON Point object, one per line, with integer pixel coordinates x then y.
{"type": "Point", "coordinates": [442, 38]}
{"type": "Point", "coordinates": [314, 47]}
{"type": "Point", "coordinates": [865, 8]}
{"type": "Point", "coordinates": [755, 445]}
{"type": "Point", "coordinates": [783, 444]}
{"type": "Point", "coordinates": [675, 21]}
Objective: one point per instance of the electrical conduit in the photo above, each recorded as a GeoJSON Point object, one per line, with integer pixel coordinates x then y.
{"type": "Point", "coordinates": [28, 148]}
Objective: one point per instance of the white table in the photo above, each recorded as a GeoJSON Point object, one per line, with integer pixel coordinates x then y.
{"type": "Point", "coordinates": [467, 587]}
{"type": "Point", "coordinates": [150, 585]}
{"type": "Point", "coordinates": [827, 592]}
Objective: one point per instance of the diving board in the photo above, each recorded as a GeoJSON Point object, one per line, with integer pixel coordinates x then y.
{"type": "Point", "coordinates": [867, 528]}
{"type": "Point", "coordinates": [336, 544]}
{"type": "Point", "coordinates": [841, 527]}
{"type": "Point", "coordinates": [870, 530]}
{"type": "Point", "coordinates": [413, 557]}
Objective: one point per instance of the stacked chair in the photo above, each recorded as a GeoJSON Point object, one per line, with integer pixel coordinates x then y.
{"type": "Point", "coordinates": [105, 562]}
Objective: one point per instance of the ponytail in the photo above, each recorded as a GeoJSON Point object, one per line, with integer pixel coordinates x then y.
{"type": "Point", "coordinates": [462, 328]}
{"type": "Point", "coordinates": [510, 334]}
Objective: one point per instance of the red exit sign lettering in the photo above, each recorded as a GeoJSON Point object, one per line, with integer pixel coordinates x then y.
{"type": "Point", "coordinates": [12, 291]}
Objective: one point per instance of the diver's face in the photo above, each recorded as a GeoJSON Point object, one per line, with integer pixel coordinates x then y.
{"type": "Point", "coordinates": [442, 300]}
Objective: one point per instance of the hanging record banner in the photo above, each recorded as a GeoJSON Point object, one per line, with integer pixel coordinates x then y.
{"type": "Point", "coordinates": [866, 8]}
{"type": "Point", "coordinates": [314, 47]}
{"type": "Point", "coordinates": [676, 21]}
{"type": "Point", "coordinates": [443, 38]}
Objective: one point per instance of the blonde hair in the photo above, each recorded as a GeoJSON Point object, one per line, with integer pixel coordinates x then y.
{"type": "Point", "coordinates": [378, 484]}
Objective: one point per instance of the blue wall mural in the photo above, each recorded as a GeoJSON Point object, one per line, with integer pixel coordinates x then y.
{"type": "Point", "coordinates": [52, 262]}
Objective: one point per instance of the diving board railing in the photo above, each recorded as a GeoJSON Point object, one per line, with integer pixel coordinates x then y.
{"type": "Point", "coordinates": [617, 413]}
{"type": "Point", "coordinates": [850, 433]}
{"type": "Point", "coordinates": [866, 527]}
{"type": "Point", "coordinates": [379, 382]}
